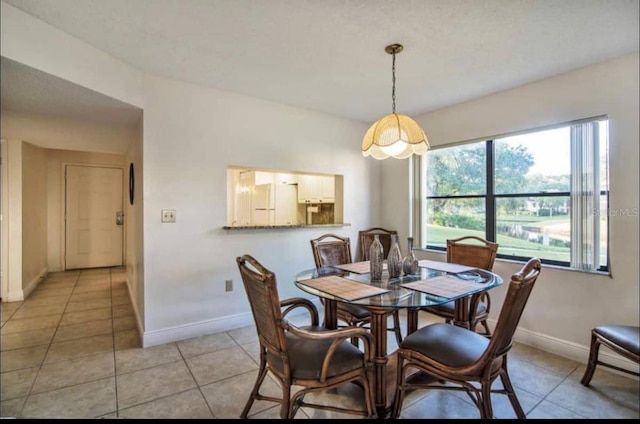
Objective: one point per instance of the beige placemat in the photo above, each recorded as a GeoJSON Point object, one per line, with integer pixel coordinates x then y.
{"type": "Point", "coordinates": [444, 266]}
{"type": "Point", "coordinates": [444, 286]}
{"type": "Point", "coordinates": [357, 267]}
{"type": "Point", "coordinates": [343, 288]}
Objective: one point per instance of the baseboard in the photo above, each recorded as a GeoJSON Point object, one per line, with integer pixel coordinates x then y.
{"type": "Point", "coordinates": [569, 350]}
{"type": "Point", "coordinates": [196, 329]}
{"type": "Point", "coordinates": [136, 313]}
{"type": "Point", "coordinates": [203, 328]}
{"type": "Point", "coordinates": [31, 286]}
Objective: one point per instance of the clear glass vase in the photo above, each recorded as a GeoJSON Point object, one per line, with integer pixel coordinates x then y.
{"type": "Point", "coordinates": [376, 258]}
{"type": "Point", "coordinates": [410, 262]}
{"type": "Point", "coordinates": [394, 258]}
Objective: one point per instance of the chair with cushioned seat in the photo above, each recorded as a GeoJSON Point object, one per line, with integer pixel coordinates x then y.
{"type": "Point", "coordinates": [312, 358]}
{"type": "Point", "coordinates": [466, 359]}
{"type": "Point", "coordinates": [366, 237]}
{"type": "Point", "coordinates": [622, 339]}
{"type": "Point", "coordinates": [478, 253]}
{"type": "Point", "coordinates": [331, 250]}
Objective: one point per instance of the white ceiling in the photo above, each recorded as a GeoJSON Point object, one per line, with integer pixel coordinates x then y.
{"type": "Point", "coordinates": [328, 55]}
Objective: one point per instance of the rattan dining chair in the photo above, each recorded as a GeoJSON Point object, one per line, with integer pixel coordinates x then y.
{"type": "Point", "coordinates": [366, 238]}
{"type": "Point", "coordinates": [478, 253]}
{"type": "Point", "coordinates": [330, 250]}
{"type": "Point", "coordinates": [465, 358]}
{"type": "Point", "coordinates": [312, 358]}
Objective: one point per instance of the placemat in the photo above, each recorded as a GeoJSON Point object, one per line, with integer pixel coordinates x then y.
{"type": "Point", "coordinates": [343, 288]}
{"type": "Point", "coordinates": [357, 267]}
{"type": "Point", "coordinates": [444, 286]}
{"type": "Point", "coordinates": [451, 268]}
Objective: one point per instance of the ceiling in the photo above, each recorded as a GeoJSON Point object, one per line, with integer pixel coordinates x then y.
{"type": "Point", "coordinates": [328, 55]}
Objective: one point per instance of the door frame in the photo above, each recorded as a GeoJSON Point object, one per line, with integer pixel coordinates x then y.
{"type": "Point", "coordinates": [63, 206]}
{"type": "Point", "coordinates": [4, 248]}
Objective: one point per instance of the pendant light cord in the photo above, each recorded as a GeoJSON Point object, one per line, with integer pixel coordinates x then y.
{"type": "Point", "coordinates": [393, 80]}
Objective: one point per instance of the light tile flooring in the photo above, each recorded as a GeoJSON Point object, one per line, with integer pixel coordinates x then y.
{"type": "Point", "coordinates": [72, 350]}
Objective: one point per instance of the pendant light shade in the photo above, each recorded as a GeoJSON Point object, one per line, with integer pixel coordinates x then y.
{"type": "Point", "coordinates": [394, 135]}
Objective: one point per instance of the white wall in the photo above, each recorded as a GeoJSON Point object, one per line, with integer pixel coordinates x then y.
{"type": "Point", "coordinates": [59, 133]}
{"type": "Point", "coordinates": [34, 221]}
{"type": "Point", "coordinates": [191, 135]}
{"type": "Point", "coordinates": [564, 305]}
{"type": "Point", "coordinates": [134, 227]}
{"type": "Point", "coordinates": [30, 41]}
{"type": "Point", "coordinates": [14, 217]}
{"type": "Point", "coordinates": [56, 159]}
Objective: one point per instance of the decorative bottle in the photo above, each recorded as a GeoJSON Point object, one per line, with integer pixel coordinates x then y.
{"type": "Point", "coordinates": [376, 258]}
{"type": "Point", "coordinates": [394, 259]}
{"type": "Point", "coordinates": [410, 262]}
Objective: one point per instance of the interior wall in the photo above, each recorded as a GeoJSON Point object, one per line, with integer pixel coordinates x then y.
{"type": "Point", "coordinates": [4, 239]}
{"type": "Point", "coordinates": [565, 304]}
{"type": "Point", "coordinates": [59, 133]}
{"type": "Point", "coordinates": [34, 221]}
{"type": "Point", "coordinates": [14, 215]}
{"type": "Point", "coordinates": [185, 168]}
{"type": "Point", "coordinates": [134, 227]}
{"type": "Point", "coordinates": [55, 160]}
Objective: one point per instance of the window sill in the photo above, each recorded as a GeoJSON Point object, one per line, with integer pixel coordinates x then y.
{"type": "Point", "coordinates": [513, 261]}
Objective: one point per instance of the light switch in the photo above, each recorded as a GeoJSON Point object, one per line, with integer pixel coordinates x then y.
{"type": "Point", "coordinates": [168, 215]}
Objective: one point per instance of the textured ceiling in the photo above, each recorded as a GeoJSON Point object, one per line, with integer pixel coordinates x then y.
{"type": "Point", "coordinates": [328, 55]}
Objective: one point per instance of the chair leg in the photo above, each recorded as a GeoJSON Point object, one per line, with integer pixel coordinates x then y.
{"type": "Point", "coordinates": [396, 327]}
{"type": "Point", "coordinates": [593, 360]}
{"type": "Point", "coordinates": [508, 387]}
{"type": "Point", "coordinates": [486, 409]}
{"type": "Point", "coordinates": [285, 408]}
{"type": "Point", "coordinates": [400, 388]}
{"type": "Point", "coordinates": [256, 387]}
{"type": "Point", "coordinates": [486, 327]}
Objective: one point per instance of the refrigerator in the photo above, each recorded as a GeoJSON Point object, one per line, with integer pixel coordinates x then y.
{"type": "Point", "coordinates": [263, 205]}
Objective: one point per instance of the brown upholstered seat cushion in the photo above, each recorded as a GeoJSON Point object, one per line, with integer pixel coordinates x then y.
{"type": "Point", "coordinates": [448, 344]}
{"type": "Point", "coordinates": [450, 307]}
{"type": "Point", "coordinates": [356, 311]}
{"type": "Point", "coordinates": [306, 356]}
{"type": "Point", "coordinates": [625, 336]}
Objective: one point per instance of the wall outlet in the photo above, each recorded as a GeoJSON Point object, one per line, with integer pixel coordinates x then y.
{"type": "Point", "coordinates": [228, 285]}
{"type": "Point", "coordinates": [168, 215]}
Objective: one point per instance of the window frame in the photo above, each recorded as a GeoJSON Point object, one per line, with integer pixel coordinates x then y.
{"type": "Point", "coordinates": [490, 197]}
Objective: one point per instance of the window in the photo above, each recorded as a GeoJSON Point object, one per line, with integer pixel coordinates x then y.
{"type": "Point", "coordinates": [541, 193]}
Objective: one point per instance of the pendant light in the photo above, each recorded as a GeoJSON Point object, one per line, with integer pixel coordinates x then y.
{"type": "Point", "coordinates": [394, 135]}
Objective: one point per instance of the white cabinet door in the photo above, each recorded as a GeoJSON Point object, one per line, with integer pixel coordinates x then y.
{"type": "Point", "coordinates": [327, 189]}
{"type": "Point", "coordinates": [316, 189]}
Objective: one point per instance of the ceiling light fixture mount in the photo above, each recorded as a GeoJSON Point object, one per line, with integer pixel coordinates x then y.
{"type": "Point", "coordinates": [394, 135]}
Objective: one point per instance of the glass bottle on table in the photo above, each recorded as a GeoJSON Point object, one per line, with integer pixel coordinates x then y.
{"type": "Point", "coordinates": [410, 262]}
{"type": "Point", "coordinates": [376, 259]}
{"type": "Point", "coordinates": [394, 258]}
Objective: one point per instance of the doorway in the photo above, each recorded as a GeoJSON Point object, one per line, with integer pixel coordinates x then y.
{"type": "Point", "coordinates": [94, 218]}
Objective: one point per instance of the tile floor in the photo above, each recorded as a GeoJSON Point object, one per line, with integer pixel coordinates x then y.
{"type": "Point", "coordinates": [72, 350]}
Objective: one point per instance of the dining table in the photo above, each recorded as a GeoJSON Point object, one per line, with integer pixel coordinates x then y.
{"type": "Point", "coordinates": [435, 283]}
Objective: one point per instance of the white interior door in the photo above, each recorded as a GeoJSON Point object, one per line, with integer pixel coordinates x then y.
{"type": "Point", "coordinates": [93, 237]}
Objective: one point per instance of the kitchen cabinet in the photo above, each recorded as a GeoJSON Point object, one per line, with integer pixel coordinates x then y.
{"type": "Point", "coordinates": [316, 189]}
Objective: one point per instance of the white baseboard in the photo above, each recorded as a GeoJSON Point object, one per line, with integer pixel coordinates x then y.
{"type": "Point", "coordinates": [570, 350]}
{"type": "Point", "coordinates": [136, 313]}
{"type": "Point", "coordinates": [204, 328]}
{"type": "Point", "coordinates": [196, 329]}
{"type": "Point", "coordinates": [18, 295]}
